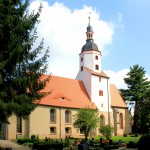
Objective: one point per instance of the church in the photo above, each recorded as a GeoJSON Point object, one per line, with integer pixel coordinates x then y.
{"type": "Point", "coordinates": [54, 115]}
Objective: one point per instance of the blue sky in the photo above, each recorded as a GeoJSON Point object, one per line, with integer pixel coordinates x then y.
{"type": "Point", "coordinates": [121, 31]}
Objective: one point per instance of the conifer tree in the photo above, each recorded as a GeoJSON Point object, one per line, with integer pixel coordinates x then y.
{"type": "Point", "coordinates": [21, 66]}
{"type": "Point", "coordinates": [137, 88]}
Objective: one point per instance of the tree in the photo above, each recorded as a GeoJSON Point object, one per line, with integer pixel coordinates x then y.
{"type": "Point", "coordinates": [86, 119]}
{"type": "Point", "coordinates": [107, 131]}
{"type": "Point", "coordinates": [137, 88]}
{"type": "Point", "coordinates": [21, 67]}
{"type": "Point", "coordinates": [144, 115]}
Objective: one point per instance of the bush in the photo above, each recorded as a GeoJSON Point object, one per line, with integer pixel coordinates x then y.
{"type": "Point", "coordinates": [144, 142]}
{"type": "Point", "coordinates": [47, 146]}
{"type": "Point", "coordinates": [33, 137]}
{"type": "Point", "coordinates": [23, 140]}
{"type": "Point", "coordinates": [106, 131]}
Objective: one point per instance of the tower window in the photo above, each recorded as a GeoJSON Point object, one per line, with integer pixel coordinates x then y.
{"type": "Point", "coordinates": [96, 57]}
{"type": "Point", "coordinates": [99, 79]}
{"type": "Point", "coordinates": [81, 59]}
{"type": "Point", "coordinates": [97, 67]}
{"type": "Point", "coordinates": [100, 93]}
{"type": "Point", "coordinates": [81, 68]}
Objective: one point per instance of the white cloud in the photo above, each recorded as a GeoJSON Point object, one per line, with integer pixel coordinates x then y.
{"type": "Point", "coordinates": [64, 31]}
{"type": "Point", "coordinates": [117, 77]}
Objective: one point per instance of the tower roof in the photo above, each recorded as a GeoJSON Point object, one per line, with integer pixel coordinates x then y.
{"type": "Point", "coordinates": [90, 45]}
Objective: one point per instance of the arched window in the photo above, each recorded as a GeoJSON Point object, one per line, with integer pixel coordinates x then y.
{"type": "Point", "coordinates": [121, 120]}
{"type": "Point", "coordinates": [52, 116]}
{"type": "Point", "coordinates": [102, 120]}
{"type": "Point", "coordinates": [67, 116]}
{"type": "Point", "coordinates": [97, 67]}
{"type": "Point", "coordinates": [19, 124]}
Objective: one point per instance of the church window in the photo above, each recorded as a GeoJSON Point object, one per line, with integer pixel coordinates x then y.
{"type": "Point", "coordinates": [102, 120]}
{"type": "Point", "coordinates": [52, 116]}
{"type": "Point", "coordinates": [68, 130]}
{"type": "Point", "coordinates": [101, 105]}
{"type": "Point", "coordinates": [96, 57]}
{"type": "Point", "coordinates": [100, 93]}
{"type": "Point", "coordinates": [121, 120]}
{"type": "Point", "coordinates": [81, 59]}
{"type": "Point", "coordinates": [81, 131]}
{"type": "Point", "coordinates": [19, 124]}
{"type": "Point", "coordinates": [67, 116]}
{"type": "Point", "coordinates": [99, 79]}
{"type": "Point", "coordinates": [53, 130]}
{"type": "Point", "coordinates": [81, 68]}
{"type": "Point", "coordinates": [97, 67]}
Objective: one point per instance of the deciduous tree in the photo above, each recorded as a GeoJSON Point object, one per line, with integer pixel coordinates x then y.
{"type": "Point", "coordinates": [86, 119]}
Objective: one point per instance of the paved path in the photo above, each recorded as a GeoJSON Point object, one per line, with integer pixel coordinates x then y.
{"type": "Point", "coordinates": [14, 146]}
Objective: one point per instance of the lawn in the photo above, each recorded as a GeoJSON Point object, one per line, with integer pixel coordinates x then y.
{"type": "Point", "coordinates": [125, 139]}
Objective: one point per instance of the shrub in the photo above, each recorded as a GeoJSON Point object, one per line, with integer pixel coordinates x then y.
{"type": "Point", "coordinates": [144, 142]}
{"type": "Point", "coordinates": [33, 137]}
{"type": "Point", "coordinates": [47, 146]}
{"type": "Point", "coordinates": [23, 140]}
{"type": "Point", "coordinates": [106, 131]}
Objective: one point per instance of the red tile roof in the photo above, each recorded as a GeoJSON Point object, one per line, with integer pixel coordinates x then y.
{"type": "Point", "coordinates": [116, 99]}
{"type": "Point", "coordinates": [66, 92]}
{"type": "Point", "coordinates": [102, 74]}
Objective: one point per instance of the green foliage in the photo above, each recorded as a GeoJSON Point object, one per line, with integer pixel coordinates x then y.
{"type": "Point", "coordinates": [21, 66]}
{"type": "Point", "coordinates": [24, 140]}
{"type": "Point", "coordinates": [137, 88]}
{"type": "Point", "coordinates": [107, 131]}
{"type": "Point", "coordinates": [34, 137]}
{"type": "Point", "coordinates": [86, 119]}
{"type": "Point", "coordinates": [47, 146]}
{"type": "Point", "coordinates": [144, 142]}
{"type": "Point", "coordinates": [125, 139]}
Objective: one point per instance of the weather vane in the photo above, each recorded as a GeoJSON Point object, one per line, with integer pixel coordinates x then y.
{"type": "Point", "coordinates": [89, 17]}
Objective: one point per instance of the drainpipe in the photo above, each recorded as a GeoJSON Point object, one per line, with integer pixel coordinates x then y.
{"type": "Point", "coordinates": [60, 123]}
{"type": "Point", "coordinates": [108, 102]}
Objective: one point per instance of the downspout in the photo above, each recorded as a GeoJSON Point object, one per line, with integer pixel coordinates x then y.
{"type": "Point", "coordinates": [60, 123]}
{"type": "Point", "coordinates": [108, 103]}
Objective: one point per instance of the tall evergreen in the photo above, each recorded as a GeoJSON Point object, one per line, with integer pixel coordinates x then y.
{"type": "Point", "coordinates": [21, 66]}
{"type": "Point", "coordinates": [137, 88]}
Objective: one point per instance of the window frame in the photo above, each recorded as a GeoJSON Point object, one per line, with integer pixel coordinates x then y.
{"type": "Point", "coordinates": [67, 117]}
{"type": "Point", "coordinates": [101, 93]}
{"type": "Point", "coordinates": [19, 124]}
{"type": "Point", "coordinates": [52, 116]}
{"type": "Point", "coordinates": [54, 130]}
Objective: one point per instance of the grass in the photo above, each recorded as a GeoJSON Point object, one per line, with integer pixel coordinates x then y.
{"type": "Point", "coordinates": [126, 139]}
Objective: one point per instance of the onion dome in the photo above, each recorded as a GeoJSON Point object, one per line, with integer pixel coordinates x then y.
{"type": "Point", "coordinates": [90, 45]}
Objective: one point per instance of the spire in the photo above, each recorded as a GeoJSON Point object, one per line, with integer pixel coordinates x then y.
{"type": "Point", "coordinates": [89, 19]}
{"type": "Point", "coordinates": [89, 32]}
{"type": "Point", "coordinates": [90, 45]}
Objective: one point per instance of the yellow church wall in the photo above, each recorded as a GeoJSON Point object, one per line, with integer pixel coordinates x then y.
{"type": "Point", "coordinates": [39, 123]}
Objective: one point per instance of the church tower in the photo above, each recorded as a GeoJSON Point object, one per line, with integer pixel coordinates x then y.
{"type": "Point", "coordinates": [90, 55]}
{"type": "Point", "coordinates": [91, 74]}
